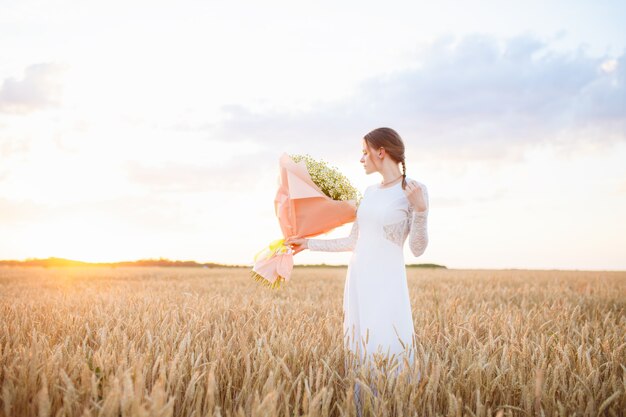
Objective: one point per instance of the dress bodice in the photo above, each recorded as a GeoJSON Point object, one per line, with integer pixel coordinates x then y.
{"type": "Point", "coordinates": [384, 215]}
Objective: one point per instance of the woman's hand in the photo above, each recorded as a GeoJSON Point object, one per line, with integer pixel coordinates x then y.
{"type": "Point", "coordinates": [297, 244]}
{"type": "Point", "coordinates": [415, 195]}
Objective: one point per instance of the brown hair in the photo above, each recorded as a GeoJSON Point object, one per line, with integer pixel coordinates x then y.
{"type": "Point", "coordinates": [385, 137]}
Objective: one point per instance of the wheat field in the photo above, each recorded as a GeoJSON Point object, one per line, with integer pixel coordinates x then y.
{"type": "Point", "coordinates": [213, 342]}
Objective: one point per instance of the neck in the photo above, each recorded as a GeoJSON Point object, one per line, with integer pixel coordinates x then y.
{"type": "Point", "coordinates": [390, 173]}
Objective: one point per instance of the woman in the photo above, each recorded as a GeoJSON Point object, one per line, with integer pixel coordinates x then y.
{"type": "Point", "coordinates": [377, 310]}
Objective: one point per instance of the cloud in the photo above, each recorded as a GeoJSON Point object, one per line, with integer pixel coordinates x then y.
{"type": "Point", "coordinates": [38, 89]}
{"type": "Point", "coordinates": [475, 97]}
{"type": "Point", "coordinates": [176, 177]}
{"type": "Point", "coordinates": [490, 196]}
{"type": "Point", "coordinates": [13, 212]}
{"type": "Point", "coordinates": [141, 211]}
{"type": "Point", "coordinates": [10, 147]}
{"type": "Point", "coordinates": [215, 175]}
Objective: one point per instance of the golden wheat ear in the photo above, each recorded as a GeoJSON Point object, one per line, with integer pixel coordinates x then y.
{"type": "Point", "coordinates": [263, 281]}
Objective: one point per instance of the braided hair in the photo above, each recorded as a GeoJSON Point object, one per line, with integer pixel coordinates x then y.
{"type": "Point", "coordinates": [403, 174]}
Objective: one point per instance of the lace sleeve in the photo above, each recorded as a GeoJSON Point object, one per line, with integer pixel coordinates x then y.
{"type": "Point", "coordinates": [336, 245]}
{"type": "Point", "coordinates": [418, 233]}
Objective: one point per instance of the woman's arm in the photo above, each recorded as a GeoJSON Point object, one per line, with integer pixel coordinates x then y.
{"type": "Point", "coordinates": [418, 233]}
{"type": "Point", "coordinates": [336, 245]}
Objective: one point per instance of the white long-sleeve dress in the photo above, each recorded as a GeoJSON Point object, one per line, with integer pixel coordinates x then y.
{"type": "Point", "coordinates": [376, 296]}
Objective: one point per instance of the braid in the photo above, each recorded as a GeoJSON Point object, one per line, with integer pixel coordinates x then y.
{"type": "Point", "coordinates": [403, 174]}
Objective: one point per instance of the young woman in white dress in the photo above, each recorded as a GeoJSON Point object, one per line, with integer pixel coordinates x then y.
{"type": "Point", "coordinates": [377, 309]}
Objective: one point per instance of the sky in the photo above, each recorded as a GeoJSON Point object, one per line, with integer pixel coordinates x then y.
{"type": "Point", "coordinates": [148, 129]}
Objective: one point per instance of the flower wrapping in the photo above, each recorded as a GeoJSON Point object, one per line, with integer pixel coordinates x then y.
{"type": "Point", "coordinates": [303, 210]}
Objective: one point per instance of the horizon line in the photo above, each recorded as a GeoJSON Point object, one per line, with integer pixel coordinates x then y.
{"type": "Point", "coordinates": [192, 263]}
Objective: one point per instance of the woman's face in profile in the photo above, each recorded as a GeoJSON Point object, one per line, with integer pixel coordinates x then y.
{"type": "Point", "coordinates": [367, 159]}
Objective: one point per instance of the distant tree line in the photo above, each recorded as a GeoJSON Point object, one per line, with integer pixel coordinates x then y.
{"type": "Point", "coordinates": [60, 262]}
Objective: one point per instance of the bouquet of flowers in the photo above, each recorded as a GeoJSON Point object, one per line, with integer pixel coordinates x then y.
{"type": "Point", "coordinates": [312, 199]}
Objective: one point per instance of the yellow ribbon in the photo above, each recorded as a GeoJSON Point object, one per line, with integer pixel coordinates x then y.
{"type": "Point", "coordinates": [275, 247]}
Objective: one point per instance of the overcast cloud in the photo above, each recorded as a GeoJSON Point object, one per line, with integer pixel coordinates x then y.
{"type": "Point", "coordinates": [468, 93]}
{"type": "Point", "coordinates": [39, 88]}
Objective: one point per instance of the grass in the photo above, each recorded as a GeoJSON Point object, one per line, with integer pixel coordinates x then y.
{"type": "Point", "coordinates": [195, 342]}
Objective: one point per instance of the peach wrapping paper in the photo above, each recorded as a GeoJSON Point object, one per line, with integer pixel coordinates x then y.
{"type": "Point", "coordinates": [303, 210]}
